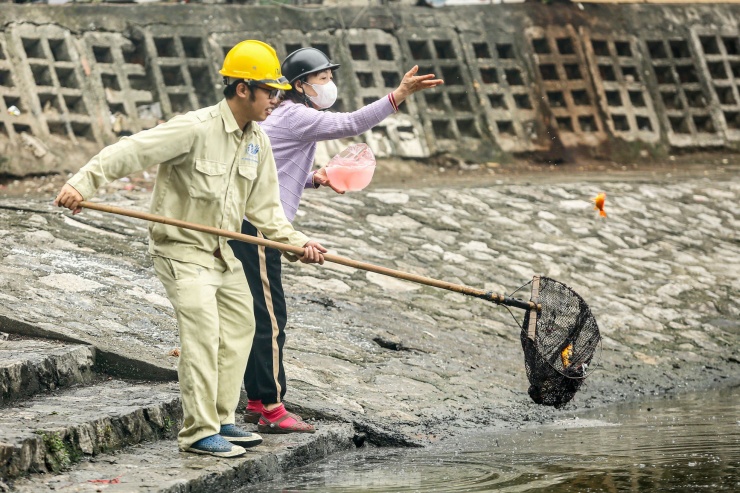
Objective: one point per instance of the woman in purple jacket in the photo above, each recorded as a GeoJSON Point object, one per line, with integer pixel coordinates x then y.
{"type": "Point", "coordinates": [294, 128]}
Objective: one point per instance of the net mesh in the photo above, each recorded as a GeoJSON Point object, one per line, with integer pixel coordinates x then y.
{"type": "Point", "coordinates": [565, 340]}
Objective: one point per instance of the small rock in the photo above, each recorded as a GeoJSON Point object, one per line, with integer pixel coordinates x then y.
{"type": "Point", "coordinates": [359, 439]}
{"type": "Point", "coordinates": [468, 167]}
{"type": "Point", "coordinates": [69, 282]}
{"type": "Point", "coordinates": [454, 258]}
{"type": "Point", "coordinates": [37, 219]}
{"type": "Point", "coordinates": [390, 197]}
{"type": "Point", "coordinates": [38, 149]}
{"type": "Point", "coordinates": [390, 342]}
{"type": "Point", "coordinates": [391, 284]}
{"type": "Point", "coordinates": [39, 238]}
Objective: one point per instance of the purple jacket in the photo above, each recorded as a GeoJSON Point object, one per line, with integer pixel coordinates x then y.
{"type": "Point", "coordinates": [294, 129]}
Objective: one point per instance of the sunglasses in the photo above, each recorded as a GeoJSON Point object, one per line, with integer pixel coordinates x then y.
{"type": "Point", "coordinates": [271, 92]}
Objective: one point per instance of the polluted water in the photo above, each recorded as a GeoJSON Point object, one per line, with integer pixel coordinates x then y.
{"type": "Point", "coordinates": [683, 443]}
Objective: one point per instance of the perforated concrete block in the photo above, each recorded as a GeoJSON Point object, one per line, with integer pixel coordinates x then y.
{"type": "Point", "coordinates": [504, 90]}
{"type": "Point", "coordinates": [122, 83]}
{"type": "Point", "coordinates": [618, 73]}
{"type": "Point", "coordinates": [182, 69]}
{"type": "Point", "coordinates": [15, 117]}
{"type": "Point", "coordinates": [686, 110]}
{"type": "Point", "coordinates": [720, 62]}
{"type": "Point", "coordinates": [52, 71]}
{"type": "Point", "coordinates": [562, 75]}
{"type": "Point", "coordinates": [378, 66]}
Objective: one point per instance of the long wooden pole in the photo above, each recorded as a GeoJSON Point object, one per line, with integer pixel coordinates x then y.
{"type": "Point", "coordinates": [458, 288]}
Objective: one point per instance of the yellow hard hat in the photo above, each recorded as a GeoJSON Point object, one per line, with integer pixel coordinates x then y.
{"type": "Point", "coordinates": [255, 61]}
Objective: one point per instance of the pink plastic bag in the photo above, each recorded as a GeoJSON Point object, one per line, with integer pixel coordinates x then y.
{"type": "Point", "coordinates": [352, 169]}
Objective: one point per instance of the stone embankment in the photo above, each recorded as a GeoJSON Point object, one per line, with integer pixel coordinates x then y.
{"type": "Point", "coordinates": [87, 373]}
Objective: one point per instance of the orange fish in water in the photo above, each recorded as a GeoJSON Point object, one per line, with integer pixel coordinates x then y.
{"type": "Point", "coordinates": [566, 354]}
{"type": "Point", "coordinates": [599, 203]}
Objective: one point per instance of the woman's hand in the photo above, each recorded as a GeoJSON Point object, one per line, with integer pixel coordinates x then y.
{"type": "Point", "coordinates": [321, 178]}
{"type": "Point", "coordinates": [412, 83]}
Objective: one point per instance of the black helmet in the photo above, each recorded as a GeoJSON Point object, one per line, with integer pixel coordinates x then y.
{"type": "Point", "coordinates": [305, 61]}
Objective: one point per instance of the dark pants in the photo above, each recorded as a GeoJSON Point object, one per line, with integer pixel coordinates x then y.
{"type": "Point", "coordinates": [264, 378]}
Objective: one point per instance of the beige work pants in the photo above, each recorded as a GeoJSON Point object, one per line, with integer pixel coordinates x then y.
{"type": "Point", "coordinates": [216, 324]}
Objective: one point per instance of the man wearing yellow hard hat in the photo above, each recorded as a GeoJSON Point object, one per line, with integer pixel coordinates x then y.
{"type": "Point", "coordinates": [215, 168]}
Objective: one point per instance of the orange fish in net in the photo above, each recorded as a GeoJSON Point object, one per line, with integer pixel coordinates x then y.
{"type": "Point", "coordinates": [566, 354]}
{"type": "Point", "coordinates": [599, 203]}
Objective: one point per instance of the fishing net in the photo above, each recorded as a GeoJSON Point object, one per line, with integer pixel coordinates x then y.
{"type": "Point", "coordinates": [559, 342]}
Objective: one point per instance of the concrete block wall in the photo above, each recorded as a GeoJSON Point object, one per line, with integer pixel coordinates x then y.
{"type": "Point", "coordinates": [519, 79]}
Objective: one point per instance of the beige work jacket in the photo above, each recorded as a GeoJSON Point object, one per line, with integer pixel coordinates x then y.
{"type": "Point", "coordinates": [210, 173]}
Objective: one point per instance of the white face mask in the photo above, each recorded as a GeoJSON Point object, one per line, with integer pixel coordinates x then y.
{"type": "Point", "coordinates": [326, 94]}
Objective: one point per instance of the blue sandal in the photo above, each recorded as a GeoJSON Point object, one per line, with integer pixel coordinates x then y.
{"type": "Point", "coordinates": [236, 435]}
{"type": "Point", "coordinates": [216, 445]}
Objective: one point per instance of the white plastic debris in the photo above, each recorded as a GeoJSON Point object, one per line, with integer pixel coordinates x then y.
{"type": "Point", "coordinates": [150, 111]}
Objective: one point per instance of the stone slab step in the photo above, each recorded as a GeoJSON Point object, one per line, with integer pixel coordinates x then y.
{"type": "Point", "coordinates": [160, 467]}
{"type": "Point", "coordinates": [51, 431]}
{"type": "Point", "coordinates": [29, 366]}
